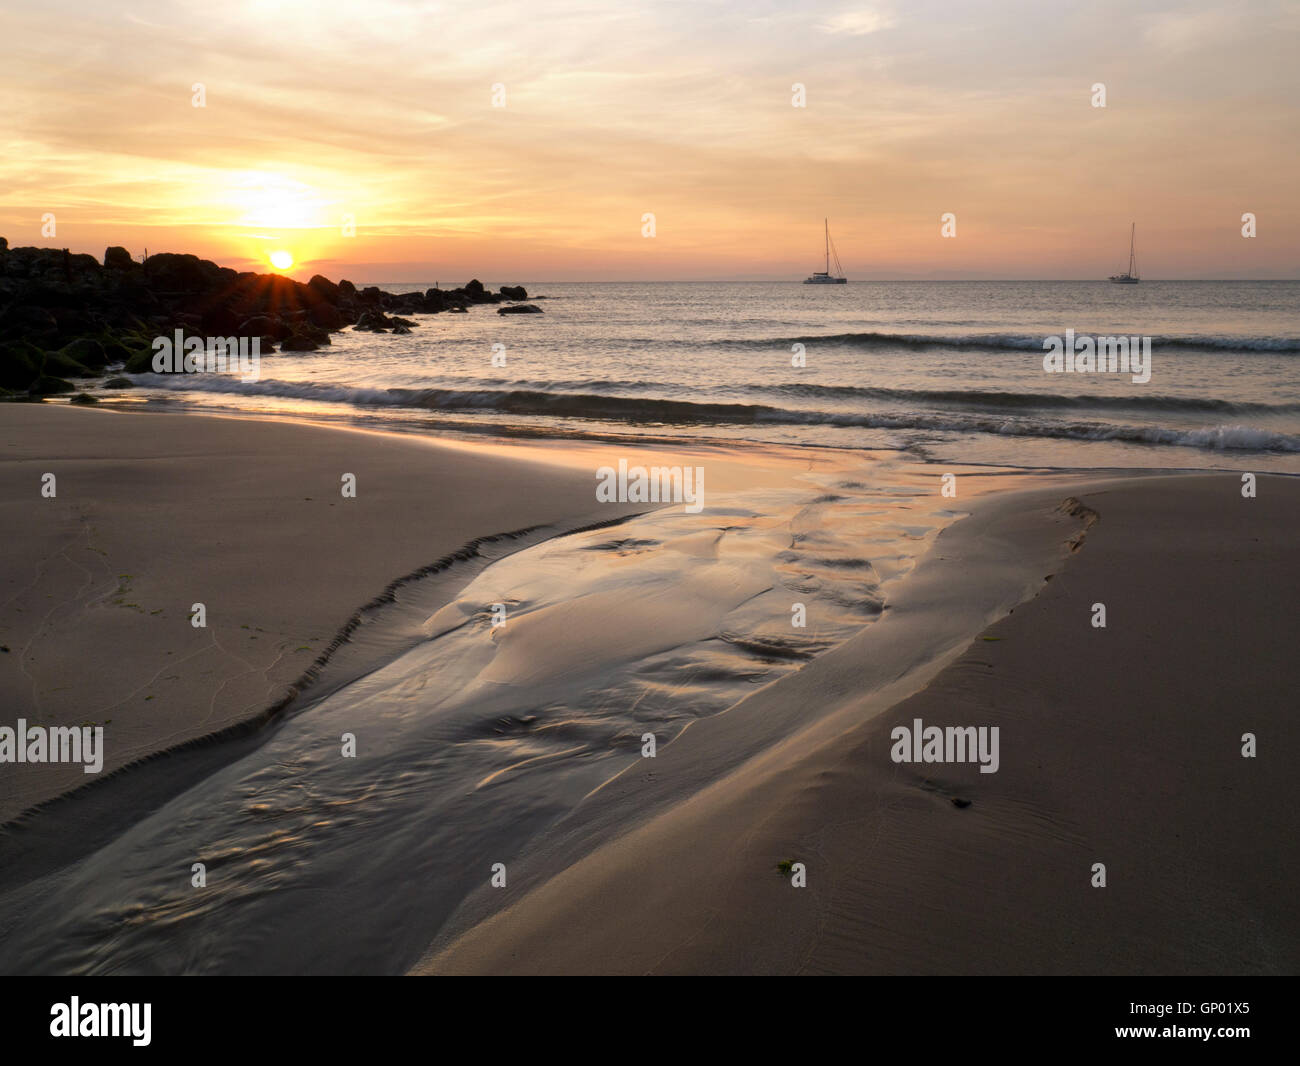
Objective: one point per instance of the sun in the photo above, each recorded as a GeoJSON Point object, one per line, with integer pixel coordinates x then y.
{"type": "Point", "coordinates": [281, 260]}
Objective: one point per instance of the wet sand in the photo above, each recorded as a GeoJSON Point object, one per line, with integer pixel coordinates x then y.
{"type": "Point", "coordinates": [1119, 745]}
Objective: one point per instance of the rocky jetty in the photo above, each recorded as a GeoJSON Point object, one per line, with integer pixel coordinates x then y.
{"type": "Point", "coordinates": [65, 317]}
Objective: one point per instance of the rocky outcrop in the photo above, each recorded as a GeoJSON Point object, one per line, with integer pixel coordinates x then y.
{"type": "Point", "coordinates": [520, 309]}
{"type": "Point", "coordinates": [65, 316]}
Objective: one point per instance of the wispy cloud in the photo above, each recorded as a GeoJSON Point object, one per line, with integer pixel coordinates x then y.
{"type": "Point", "coordinates": [858, 22]}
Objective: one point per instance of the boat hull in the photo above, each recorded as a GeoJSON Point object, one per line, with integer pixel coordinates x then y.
{"type": "Point", "coordinates": [815, 280]}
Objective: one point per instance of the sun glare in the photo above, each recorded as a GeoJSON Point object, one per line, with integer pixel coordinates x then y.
{"type": "Point", "coordinates": [281, 260]}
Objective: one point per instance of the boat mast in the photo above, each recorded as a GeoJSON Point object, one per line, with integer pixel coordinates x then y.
{"type": "Point", "coordinates": [826, 222]}
{"type": "Point", "coordinates": [1132, 237]}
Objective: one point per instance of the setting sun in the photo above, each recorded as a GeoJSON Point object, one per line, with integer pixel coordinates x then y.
{"type": "Point", "coordinates": [281, 260]}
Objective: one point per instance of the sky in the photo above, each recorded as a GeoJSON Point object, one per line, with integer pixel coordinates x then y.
{"type": "Point", "coordinates": [529, 141]}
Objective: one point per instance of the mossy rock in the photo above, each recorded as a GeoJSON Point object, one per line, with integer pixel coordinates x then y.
{"type": "Point", "coordinates": [115, 351]}
{"type": "Point", "coordinates": [49, 386]}
{"type": "Point", "coordinates": [64, 366]}
{"type": "Point", "coordinates": [88, 351]}
{"type": "Point", "coordinates": [119, 383]}
{"type": "Point", "coordinates": [140, 362]}
{"type": "Point", "coordinates": [85, 399]}
{"type": "Point", "coordinates": [19, 365]}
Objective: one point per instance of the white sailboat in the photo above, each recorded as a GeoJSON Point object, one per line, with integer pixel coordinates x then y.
{"type": "Point", "coordinates": [1131, 276]}
{"type": "Point", "coordinates": [825, 277]}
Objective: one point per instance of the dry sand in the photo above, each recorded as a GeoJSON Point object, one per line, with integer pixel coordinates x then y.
{"type": "Point", "coordinates": [1120, 746]}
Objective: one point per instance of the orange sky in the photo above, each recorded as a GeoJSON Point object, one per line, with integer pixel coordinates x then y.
{"type": "Point", "coordinates": [384, 111]}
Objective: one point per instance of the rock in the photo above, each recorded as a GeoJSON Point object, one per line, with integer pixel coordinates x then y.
{"type": "Point", "coordinates": [87, 351]}
{"type": "Point", "coordinates": [401, 329]}
{"type": "Point", "coordinates": [171, 273]}
{"type": "Point", "coordinates": [474, 286]}
{"type": "Point", "coordinates": [299, 343]}
{"type": "Point", "coordinates": [220, 322]}
{"type": "Point", "coordinates": [514, 292]}
{"type": "Point", "coordinates": [19, 365]}
{"type": "Point", "coordinates": [347, 290]}
{"type": "Point", "coordinates": [62, 365]}
{"type": "Point", "coordinates": [520, 309]}
{"type": "Point", "coordinates": [117, 258]}
{"type": "Point", "coordinates": [28, 323]}
{"type": "Point", "coordinates": [48, 386]}
{"type": "Point", "coordinates": [326, 316]}
{"type": "Point", "coordinates": [119, 383]}
{"type": "Point", "coordinates": [960, 804]}
{"type": "Point", "coordinates": [326, 288]}
{"type": "Point", "coordinates": [4, 244]}
{"type": "Point", "coordinates": [262, 326]}
{"type": "Point", "coordinates": [84, 398]}
{"type": "Point", "coordinates": [373, 320]}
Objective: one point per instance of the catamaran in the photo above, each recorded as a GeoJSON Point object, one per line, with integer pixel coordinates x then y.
{"type": "Point", "coordinates": [825, 277]}
{"type": "Point", "coordinates": [1131, 277]}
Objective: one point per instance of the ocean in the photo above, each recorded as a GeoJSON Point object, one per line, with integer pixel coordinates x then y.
{"type": "Point", "coordinates": [947, 371]}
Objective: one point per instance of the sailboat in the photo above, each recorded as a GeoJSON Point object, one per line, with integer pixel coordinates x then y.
{"type": "Point", "coordinates": [1131, 277]}
{"type": "Point", "coordinates": [825, 277]}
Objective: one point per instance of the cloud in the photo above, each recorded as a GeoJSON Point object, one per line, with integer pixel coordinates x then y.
{"type": "Point", "coordinates": [857, 23]}
{"type": "Point", "coordinates": [1181, 32]}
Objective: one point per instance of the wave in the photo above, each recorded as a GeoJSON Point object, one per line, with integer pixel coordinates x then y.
{"type": "Point", "coordinates": [979, 398]}
{"type": "Point", "coordinates": [652, 410]}
{"type": "Point", "coordinates": [1008, 341]}
{"type": "Point", "coordinates": [999, 398]}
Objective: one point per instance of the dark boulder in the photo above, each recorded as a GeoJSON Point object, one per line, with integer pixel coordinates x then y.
{"type": "Point", "coordinates": [48, 386]}
{"type": "Point", "coordinates": [373, 321]}
{"type": "Point", "coordinates": [299, 343]}
{"type": "Point", "coordinates": [326, 316]}
{"type": "Point", "coordinates": [117, 258]}
{"type": "Point", "coordinates": [326, 288]}
{"type": "Point", "coordinates": [20, 365]}
{"type": "Point", "coordinates": [519, 309]}
{"type": "Point", "coordinates": [514, 292]}
{"type": "Point", "coordinates": [26, 322]}
{"type": "Point", "coordinates": [220, 321]}
{"type": "Point", "coordinates": [87, 351]}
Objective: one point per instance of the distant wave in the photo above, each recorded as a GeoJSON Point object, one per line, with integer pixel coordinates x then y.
{"type": "Point", "coordinates": [1007, 341]}
{"type": "Point", "coordinates": [650, 410]}
{"type": "Point", "coordinates": [979, 398]}
{"type": "Point", "coordinates": [1002, 399]}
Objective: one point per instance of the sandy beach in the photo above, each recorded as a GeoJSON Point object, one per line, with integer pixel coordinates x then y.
{"type": "Point", "coordinates": [1119, 745]}
{"type": "Point", "coordinates": [155, 513]}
